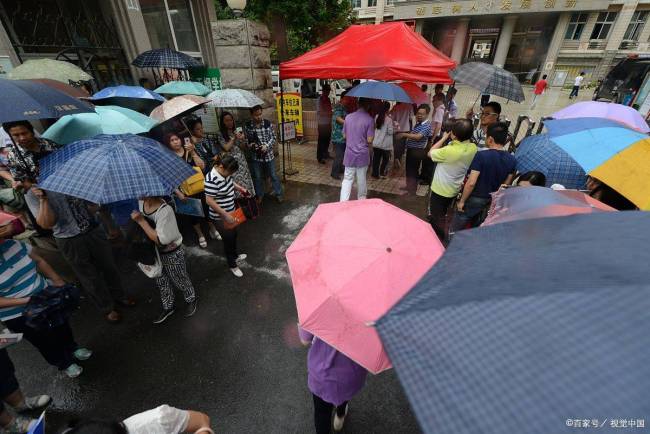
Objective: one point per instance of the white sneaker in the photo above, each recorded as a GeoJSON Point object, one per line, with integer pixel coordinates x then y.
{"type": "Point", "coordinates": [73, 371]}
{"type": "Point", "coordinates": [82, 354]}
{"type": "Point", "coordinates": [215, 235]}
{"type": "Point", "coordinates": [237, 272]}
{"type": "Point", "coordinates": [339, 420]}
{"type": "Point", "coordinates": [242, 257]}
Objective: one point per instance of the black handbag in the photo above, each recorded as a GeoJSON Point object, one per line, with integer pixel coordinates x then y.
{"type": "Point", "coordinates": [139, 247]}
{"type": "Point", "coordinates": [249, 206]}
{"type": "Point", "coordinates": [52, 307]}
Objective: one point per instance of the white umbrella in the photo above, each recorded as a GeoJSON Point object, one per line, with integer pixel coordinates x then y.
{"type": "Point", "coordinates": [233, 98]}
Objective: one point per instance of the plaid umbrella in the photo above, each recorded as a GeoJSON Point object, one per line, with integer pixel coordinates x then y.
{"type": "Point", "coordinates": [112, 168]}
{"type": "Point", "coordinates": [540, 154]}
{"type": "Point", "coordinates": [165, 58]}
{"type": "Point", "coordinates": [489, 79]}
{"type": "Point", "coordinates": [233, 98]}
{"type": "Point", "coordinates": [528, 327]}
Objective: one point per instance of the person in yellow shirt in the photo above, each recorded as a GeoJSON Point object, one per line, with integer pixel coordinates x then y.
{"type": "Point", "coordinates": [452, 160]}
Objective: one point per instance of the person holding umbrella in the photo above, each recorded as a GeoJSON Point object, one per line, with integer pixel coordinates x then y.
{"type": "Point", "coordinates": [333, 379]}
{"type": "Point", "coordinates": [489, 116]}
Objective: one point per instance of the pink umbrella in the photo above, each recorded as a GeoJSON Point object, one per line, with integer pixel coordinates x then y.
{"type": "Point", "coordinates": [350, 264]}
{"type": "Point", "coordinates": [415, 93]}
{"type": "Point", "coordinates": [607, 110]}
{"type": "Point", "coordinates": [522, 203]}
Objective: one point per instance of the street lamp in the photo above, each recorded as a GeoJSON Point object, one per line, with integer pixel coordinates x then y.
{"type": "Point", "coordinates": [237, 6]}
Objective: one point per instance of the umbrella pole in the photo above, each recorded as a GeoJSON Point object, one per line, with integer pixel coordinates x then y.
{"type": "Point", "coordinates": [477, 98]}
{"type": "Point", "coordinates": [284, 144]}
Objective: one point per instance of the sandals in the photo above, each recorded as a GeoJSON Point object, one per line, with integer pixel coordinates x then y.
{"type": "Point", "coordinates": [114, 317]}
{"type": "Point", "coordinates": [203, 243]}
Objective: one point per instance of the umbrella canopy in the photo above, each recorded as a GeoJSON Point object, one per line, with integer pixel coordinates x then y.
{"type": "Point", "coordinates": [548, 322]}
{"type": "Point", "coordinates": [351, 262]}
{"type": "Point", "coordinates": [165, 58]}
{"type": "Point", "coordinates": [112, 168]}
{"type": "Point", "coordinates": [608, 151]}
{"type": "Point", "coordinates": [233, 98]}
{"type": "Point", "coordinates": [415, 93]}
{"type": "Point", "coordinates": [177, 107]}
{"type": "Point", "coordinates": [105, 120]}
{"type": "Point", "coordinates": [72, 91]}
{"type": "Point", "coordinates": [133, 97]}
{"type": "Point", "coordinates": [388, 51]}
{"type": "Point", "coordinates": [183, 88]}
{"type": "Point", "coordinates": [522, 203]}
{"type": "Point", "coordinates": [489, 79]}
{"type": "Point", "coordinates": [58, 70]}
{"type": "Point", "coordinates": [380, 90]}
{"type": "Point", "coordinates": [606, 110]}
{"type": "Point", "coordinates": [26, 99]}
{"type": "Point", "coordinates": [538, 153]}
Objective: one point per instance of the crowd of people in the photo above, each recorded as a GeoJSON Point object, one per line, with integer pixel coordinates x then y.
{"type": "Point", "coordinates": [231, 170]}
{"type": "Point", "coordinates": [462, 159]}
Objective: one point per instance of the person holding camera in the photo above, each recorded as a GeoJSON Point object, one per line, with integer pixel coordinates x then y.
{"type": "Point", "coordinates": [232, 141]}
{"type": "Point", "coordinates": [261, 138]}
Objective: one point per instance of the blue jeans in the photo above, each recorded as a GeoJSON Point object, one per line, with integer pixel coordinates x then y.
{"type": "Point", "coordinates": [471, 213]}
{"type": "Point", "coordinates": [260, 171]}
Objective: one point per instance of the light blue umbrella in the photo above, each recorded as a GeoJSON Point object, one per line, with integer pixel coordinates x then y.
{"type": "Point", "coordinates": [113, 168]}
{"type": "Point", "coordinates": [184, 88]}
{"type": "Point", "coordinates": [380, 90]}
{"type": "Point", "coordinates": [106, 120]}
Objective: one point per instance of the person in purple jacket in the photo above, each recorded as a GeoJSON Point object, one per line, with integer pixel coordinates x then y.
{"type": "Point", "coordinates": [359, 132]}
{"type": "Point", "coordinates": [333, 380]}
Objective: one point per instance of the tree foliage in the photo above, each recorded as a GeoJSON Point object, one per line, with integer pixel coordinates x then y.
{"type": "Point", "coordinates": [296, 25]}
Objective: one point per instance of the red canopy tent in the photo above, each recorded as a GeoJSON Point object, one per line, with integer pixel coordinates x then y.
{"type": "Point", "coordinates": [389, 51]}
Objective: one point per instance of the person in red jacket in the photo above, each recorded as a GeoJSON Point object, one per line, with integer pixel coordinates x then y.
{"type": "Point", "coordinates": [540, 88]}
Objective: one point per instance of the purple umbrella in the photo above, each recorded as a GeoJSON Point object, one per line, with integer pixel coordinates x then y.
{"type": "Point", "coordinates": [607, 110]}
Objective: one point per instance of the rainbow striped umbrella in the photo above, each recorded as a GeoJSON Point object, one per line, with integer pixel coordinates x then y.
{"type": "Point", "coordinates": [608, 151]}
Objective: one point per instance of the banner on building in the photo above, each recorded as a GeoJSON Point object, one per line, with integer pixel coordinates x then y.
{"type": "Point", "coordinates": [292, 110]}
{"type": "Point", "coordinates": [211, 77]}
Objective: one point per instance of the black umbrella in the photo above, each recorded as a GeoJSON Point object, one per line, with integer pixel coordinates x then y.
{"type": "Point", "coordinates": [529, 327]}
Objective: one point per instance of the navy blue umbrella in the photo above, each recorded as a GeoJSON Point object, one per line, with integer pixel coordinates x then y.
{"type": "Point", "coordinates": [165, 58]}
{"type": "Point", "coordinates": [27, 99]}
{"type": "Point", "coordinates": [528, 327]}
{"type": "Point", "coordinates": [133, 97]}
{"type": "Point", "coordinates": [380, 90]}
{"type": "Point", "coordinates": [538, 153]}
{"type": "Point", "coordinates": [113, 168]}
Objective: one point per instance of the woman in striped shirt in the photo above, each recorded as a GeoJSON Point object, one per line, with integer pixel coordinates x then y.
{"type": "Point", "coordinates": [220, 196]}
{"type": "Point", "coordinates": [22, 274]}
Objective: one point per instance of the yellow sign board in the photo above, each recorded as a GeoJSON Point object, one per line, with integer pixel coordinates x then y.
{"type": "Point", "coordinates": [292, 110]}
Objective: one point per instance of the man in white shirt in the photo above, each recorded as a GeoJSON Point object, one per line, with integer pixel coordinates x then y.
{"type": "Point", "coordinates": [576, 85]}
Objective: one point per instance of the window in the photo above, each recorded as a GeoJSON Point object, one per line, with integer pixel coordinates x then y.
{"type": "Point", "coordinates": [356, 4]}
{"type": "Point", "coordinates": [576, 26]}
{"type": "Point", "coordinates": [603, 25]}
{"type": "Point", "coordinates": [636, 26]}
{"type": "Point", "coordinates": [372, 3]}
{"type": "Point", "coordinates": [162, 17]}
{"type": "Point", "coordinates": [389, 2]}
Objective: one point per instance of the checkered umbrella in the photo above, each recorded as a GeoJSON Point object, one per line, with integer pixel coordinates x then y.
{"type": "Point", "coordinates": [538, 153]}
{"type": "Point", "coordinates": [165, 58]}
{"type": "Point", "coordinates": [112, 168]}
{"type": "Point", "coordinates": [528, 327]}
{"type": "Point", "coordinates": [489, 79]}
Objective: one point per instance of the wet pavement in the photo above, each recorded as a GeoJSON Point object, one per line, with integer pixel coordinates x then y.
{"type": "Point", "coordinates": [238, 359]}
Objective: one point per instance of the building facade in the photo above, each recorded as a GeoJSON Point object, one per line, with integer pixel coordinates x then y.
{"type": "Point", "coordinates": [560, 38]}
{"type": "Point", "coordinates": [104, 36]}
